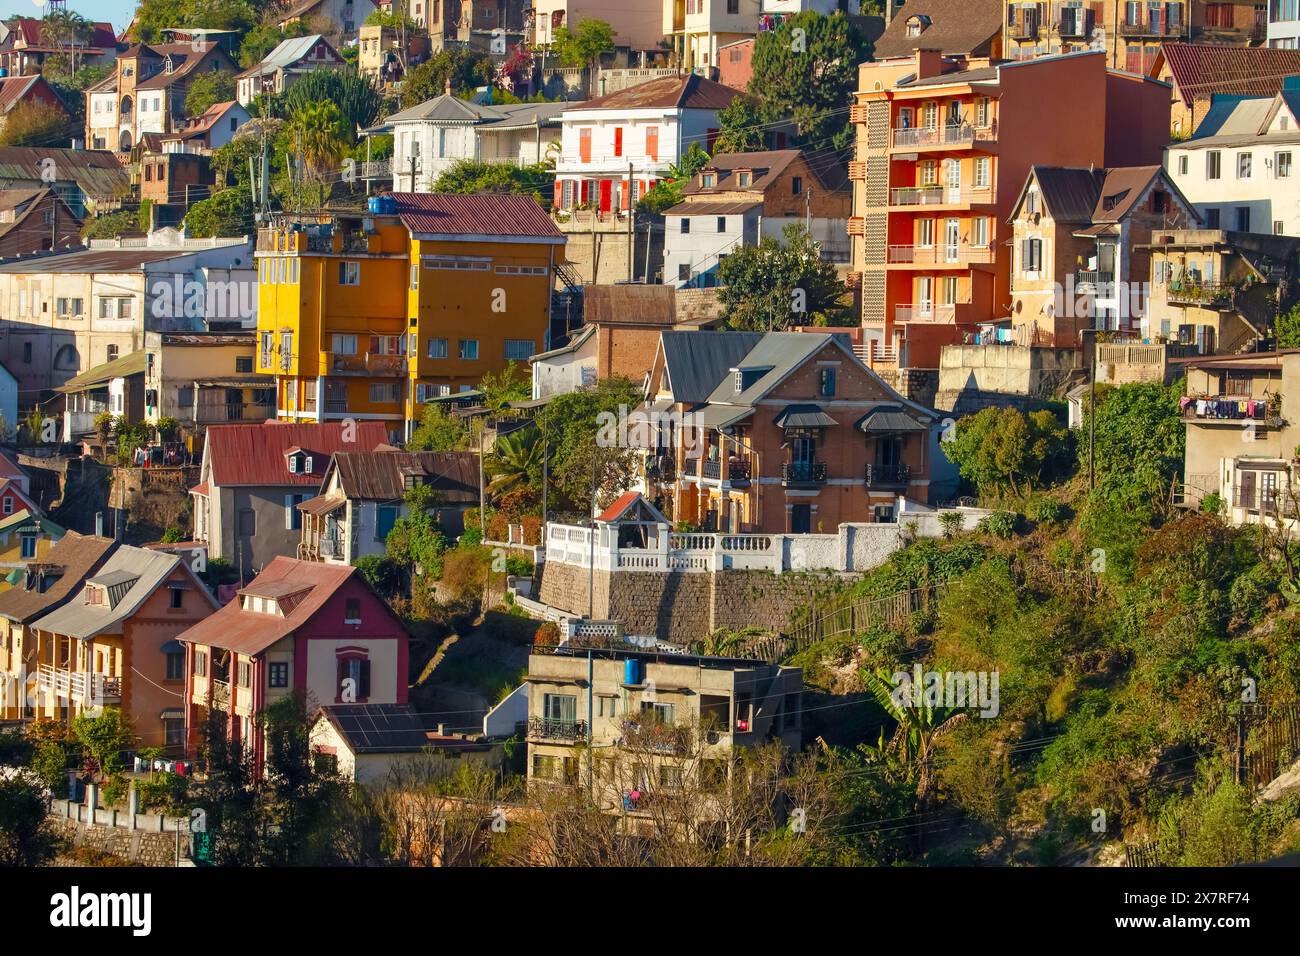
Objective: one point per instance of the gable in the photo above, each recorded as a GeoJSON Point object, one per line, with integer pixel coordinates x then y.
{"type": "Point", "coordinates": [853, 381]}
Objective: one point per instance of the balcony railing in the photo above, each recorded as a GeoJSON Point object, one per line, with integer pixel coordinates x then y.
{"type": "Point", "coordinates": [331, 546]}
{"type": "Point", "coordinates": [539, 728]}
{"type": "Point", "coordinates": [74, 685]}
{"type": "Point", "coordinates": [655, 737]}
{"type": "Point", "coordinates": [879, 476]}
{"type": "Point", "coordinates": [738, 470]}
{"type": "Point", "coordinates": [661, 467]}
{"type": "Point", "coordinates": [951, 134]}
{"type": "Point", "coordinates": [946, 313]}
{"type": "Point", "coordinates": [1151, 28]}
{"type": "Point", "coordinates": [803, 472]}
{"type": "Point", "coordinates": [220, 694]}
{"type": "Point", "coordinates": [940, 255]}
{"type": "Point", "coordinates": [367, 363]}
{"type": "Point", "coordinates": [939, 195]}
{"type": "Point", "coordinates": [1198, 293]}
{"type": "Point", "coordinates": [1093, 279]}
{"type": "Point", "coordinates": [1233, 408]}
{"type": "Point", "coordinates": [234, 412]}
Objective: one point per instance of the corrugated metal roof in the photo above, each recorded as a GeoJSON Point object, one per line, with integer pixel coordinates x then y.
{"type": "Point", "coordinates": [481, 214]}
{"type": "Point", "coordinates": [92, 260]}
{"type": "Point", "coordinates": [127, 365]}
{"type": "Point", "coordinates": [255, 454]}
{"type": "Point", "coordinates": [705, 208]}
{"type": "Point", "coordinates": [803, 416]}
{"type": "Point", "coordinates": [251, 632]}
{"type": "Point", "coordinates": [1200, 70]}
{"type": "Point", "coordinates": [96, 172]}
{"type": "Point", "coordinates": [697, 361]}
{"type": "Point", "coordinates": [777, 352]}
{"type": "Point", "coordinates": [688, 91]}
{"type": "Point", "coordinates": [83, 621]}
{"type": "Point", "coordinates": [289, 52]}
{"type": "Point", "coordinates": [70, 560]}
{"type": "Point", "coordinates": [888, 419]}
{"type": "Point", "coordinates": [381, 475]}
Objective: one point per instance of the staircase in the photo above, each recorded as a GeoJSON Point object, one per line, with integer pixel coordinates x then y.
{"type": "Point", "coordinates": [566, 306]}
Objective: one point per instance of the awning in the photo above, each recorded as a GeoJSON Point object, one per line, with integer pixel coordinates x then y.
{"type": "Point", "coordinates": [200, 489]}
{"type": "Point", "coordinates": [321, 505]}
{"type": "Point", "coordinates": [717, 416]}
{"type": "Point", "coordinates": [803, 416]}
{"type": "Point", "coordinates": [16, 575]}
{"type": "Point", "coordinates": [1256, 464]}
{"type": "Point", "coordinates": [171, 713]}
{"type": "Point", "coordinates": [888, 419]}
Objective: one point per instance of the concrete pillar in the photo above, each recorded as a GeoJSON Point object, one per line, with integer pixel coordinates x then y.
{"type": "Point", "coordinates": [132, 805]}
{"type": "Point", "coordinates": [92, 802]}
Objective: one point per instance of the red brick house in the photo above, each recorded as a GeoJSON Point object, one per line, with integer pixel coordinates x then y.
{"type": "Point", "coordinates": [35, 220]}
{"type": "Point", "coordinates": [299, 626]}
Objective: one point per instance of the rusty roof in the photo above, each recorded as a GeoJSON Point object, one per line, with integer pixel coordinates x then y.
{"type": "Point", "coordinates": [713, 208]}
{"type": "Point", "coordinates": [629, 305]}
{"type": "Point", "coordinates": [97, 172]}
{"type": "Point", "coordinates": [1199, 70]}
{"type": "Point", "coordinates": [381, 475]}
{"type": "Point", "coordinates": [250, 632]}
{"type": "Point", "coordinates": [951, 26]}
{"type": "Point", "coordinates": [480, 214]}
{"type": "Point", "coordinates": [15, 89]}
{"type": "Point", "coordinates": [75, 557]}
{"type": "Point", "coordinates": [687, 91]}
{"type": "Point", "coordinates": [255, 454]}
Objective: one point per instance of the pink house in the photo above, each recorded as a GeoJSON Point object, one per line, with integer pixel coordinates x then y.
{"type": "Point", "coordinates": [299, 626]}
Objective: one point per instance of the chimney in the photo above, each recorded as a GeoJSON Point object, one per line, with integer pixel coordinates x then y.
{"type": "Point", "coordinates": [442, 730]}
{"type": "Point", "coordinates": [99, 524]}
{"type": "Point", "coordinates": [928, 63]}
{"type": "Point", "coordinates": [447, 88]}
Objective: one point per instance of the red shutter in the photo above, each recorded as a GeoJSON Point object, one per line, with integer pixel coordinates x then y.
{"type": "Point", "coordinates": [584, 145]}
{"type": "Point", "coordinates": [652, 143]}
{"type": "Point", "coordinates": [618, 141]}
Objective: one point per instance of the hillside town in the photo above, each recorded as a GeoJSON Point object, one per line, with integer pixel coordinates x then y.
{"type": "Point", "coordinates": [684, 433]}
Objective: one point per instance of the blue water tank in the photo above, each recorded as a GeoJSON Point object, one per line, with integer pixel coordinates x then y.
{"type": "Point", "coordinates": [383, 205]}
{"type": "Point", "coordinates": [632, 672]}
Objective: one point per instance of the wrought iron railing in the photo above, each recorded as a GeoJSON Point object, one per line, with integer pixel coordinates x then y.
{"type": "Point", "coordinates": [803, 471]}
{"type": "Point", "coordinates": [888, 474]}
{"type": "Point", "coordinates": [541, 728]}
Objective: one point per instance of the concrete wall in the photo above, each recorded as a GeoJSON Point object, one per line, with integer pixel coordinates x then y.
{"type": "Point", "coordinates": [972, 377]}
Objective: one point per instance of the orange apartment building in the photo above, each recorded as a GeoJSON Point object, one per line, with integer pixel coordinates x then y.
{"type": "Point", "coordinates": [944, 146]}
{"type": "Point", "coordinates": [368, 317]}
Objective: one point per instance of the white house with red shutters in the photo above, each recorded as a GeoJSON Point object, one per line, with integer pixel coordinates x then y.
{"type": "Point", "coordinates": [616, 147]}
{"type": "Point", "coordinates": [298, 627]}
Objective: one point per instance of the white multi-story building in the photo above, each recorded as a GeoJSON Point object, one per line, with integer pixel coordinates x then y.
{"type": "Point", "coordinates": [1284, 24]}
{"type": "Point", "coordinates": [1239, 170]}
{"type": "Point", "coordinates": [617, 146]}
{"type": "Point", "coordinates": [698, 28]}
{"type": "Point", "coordinates": [635, 22]}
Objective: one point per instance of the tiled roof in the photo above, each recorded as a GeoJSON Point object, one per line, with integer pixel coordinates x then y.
{"type": "Point", "coordinates": [202, 124]}
{"type": "Point", "coordinates": [481, 214]}
{"type": "Point", "coordinates": [1200, 70]}
{"type": "Point", "coordinates": [689, 91]}
{"type": "Point", "coordinates": [250, 632]}
{"type": "Point", "coordinates": [255, 454]}
{"type": "Point", "coordinates": [75, 556]}
{"type": "Point", "coordinates": [713, 208]}
{"type": "Point", "coordinates": [953, 27]}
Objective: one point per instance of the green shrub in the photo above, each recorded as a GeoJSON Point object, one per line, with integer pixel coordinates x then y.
{"type": "Point", "coordinates": [952, 523]}
{"type": "Point", "coordinates": [1047, 511]}
{"type": "Point", "coordinates": [999, 524]}
{"type": "Point", "coordinates": [1213, 503]}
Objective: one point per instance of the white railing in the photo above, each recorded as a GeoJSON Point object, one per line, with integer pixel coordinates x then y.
{"type": "Point", "coordinates": [73, 685]}
{"type": "Point", "coordinates": [925, 313]}
{"type": "Point", "coordinates": [939, 195]}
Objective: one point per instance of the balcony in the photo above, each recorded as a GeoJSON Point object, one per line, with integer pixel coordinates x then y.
{"type": "Point", "coordinates": [1151, 28]}
{"type": "Point", "coordinates": [943, 314]}
{"type": "Point", "coordinates": [888, 476]}
{"type": "Point", "coordinates": [738, 471]}
{"type": "Point", "coordinates": [233, 412]}
{"type": "Point", "coordinates": [331, 546]}
{"type": "Point", "coordinates": [220, 695]}
{"type": "Point", "coordinates": [94, 689]}
{"type": "Point", "coordinates": [942, 255]}
{"type": "Point", "coordinates": [874, 354]}
{"type": "Point", "coordinates": [1024, 28]}
{"type": "Point", "coordinates": [939, 195]}
{"type": "Point", "coordinates": [556, 731]}
{"type": "Point", "coordinates": [655, 737]}
{"type": "Point", "coordinates": [1093, 279]}
{"type": "Point", "coordinates": [366, 363]}
{"type": "Point", "coordinates": [803, 473]}
{"type": "Point", "coordinates": [661, 467]}
{"type": "Point", "coordinates": [1191, 292]}
{"type": "Point", "coordinates": [1235, 410]}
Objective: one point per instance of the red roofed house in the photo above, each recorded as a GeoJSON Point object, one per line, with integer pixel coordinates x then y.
{"type": "Point", "coordinates": [13, 498]}
{"type": "Point", "coordinates": [16, 91]}
{"type": "Point", "coordinates": [1199, 71]}
{"type": "Point", "coordinates": [35, 219]}
{"type": "Point", "coordinates": [253, 478]}
{"type": "Point", "coordinates": [24, 48]}
{"type": "Point", "coordinates": [298, 627]}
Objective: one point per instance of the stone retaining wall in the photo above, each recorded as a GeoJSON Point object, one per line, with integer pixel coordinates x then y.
{"type": "Point", "coordinates": [150, 842]}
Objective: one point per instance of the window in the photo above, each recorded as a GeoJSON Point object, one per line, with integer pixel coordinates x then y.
{"type": "Point", "coordinates": [177, 598]}
{"type": "Point", "coordinates": [1243, 165]}
{"type": "Point", "coordinates": [110, 353]}
{"type": "Point", "coordinates": [243, 364]}
{"type": "Point", "coordinates": [292, 516]}
{"type": "Point", "coordinates": [28, 547]}
{"type": "Point", "coordinates": [982, 111]}
{"type": "Point", "coordinates": [826, 382]}
{"type": "Point", "coordinates": [1243, 219]}
{"type": "Point", "coordinates": [1278, 227]}
{"type": "Point", "coordinates": [1212, 218]}
{"type": "Point", "coordinates": [385, 392]}
{"type": "Point", "coordinates": [683, 272]}
{"type": "Point", "coordinates": [349, 273]}
{"type": "Point", "coordinates": [1212, 164]}
{"type": "Point", "coordinates": [354, 676]}
{"type": "Point", "coordinates": [1282, 165]}
{"type": "Point", "coordinates": [656, 711]}
{"type": "Point", "coordinates": [277, 674]}
{"type": "Point", "coordinates": [979, 232]}
{"type": "Point", "coordinates": [925, 233]}
{"type": "Point", "coordinates": [385, 518]}
{"type": "Point", "coordinates": [352, 611]}
{"type": "Point", "coordinates": [982, 169]}
{"type": "Point", "coordinates": [342, 344]}
{"type": "Point", "coordinates": [929, 172]}
{"type": "Point", "coordinates": [437, 348]}
{"type": "Point", "coordinates": [518, 350]}
{"type": "Point", "coordinates": [176, 665]}
{"type": "Point", "coordinates": [1182, 165]}
{"type": "Point", "coordinates": [796, 185]}
{"type": "Point", "coordinates": [560, 708]}
{"type": "Point", "coordinates": [200, 663]}
{"type": "Point", "coordinates": [685, 225]}
{"type": "Point", "coordinates": [733, 7]}
{"type": "Point", "coordinates": [744, 178]}
{"type": "Point", "coordinates": [7, 505]}
{"type": "Point", "coordinates": [244, 674]}
{"type": "Point", "coordinates": [606, 706]}
{"type": "Point", "coordinates": [69, 307]}
{"type": "Point", "coordinates": [722, 224]}
{"type": "Point", "coordinates": [670, 778]}
{"type": "Point", "coordinates": [173, 731]}
{"type": "Point", "coordinates": [415, 277]}
{"type": "Point", "coordinates": [1031, 255]}
{"type": "Point", "coordinates": [468, 349]}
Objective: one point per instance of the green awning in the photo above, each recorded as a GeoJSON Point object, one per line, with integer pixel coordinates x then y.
{"type": "Point", "coordinates": [889, 419]}
{"type": "Point", "coordinates": [16, 575]}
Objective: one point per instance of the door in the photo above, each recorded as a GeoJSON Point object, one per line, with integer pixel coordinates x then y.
{"type": "Point", "coordinates": [801, 519]}
{"type": "Point", "coordinates": [606, 194]}
{"type": "Point", "coordinates": [951, 239]}
{"type": "Point", "coordinates": [952, 179]}
{"type": "Point", "coordinates": [925, 296]}
{"type": "Point", "coordinates": [584, 145]}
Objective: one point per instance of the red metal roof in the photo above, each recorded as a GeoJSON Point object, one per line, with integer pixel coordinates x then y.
{"type": "Point", "coordinates": [482, 214]}
{"type": "Point", "coordinates": [29, 31]}
{"type": "Point", "coordinates": [615, 511]}
{"type": "Point", "coordinates": [255, 454]}
{"type": "Point", "coordinates": [687, 91]}
{"type": "Point", "coordinates": [1202, 69]}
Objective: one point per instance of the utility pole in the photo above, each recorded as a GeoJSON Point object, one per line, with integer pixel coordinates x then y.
{"type": "Point", "coordinates": [413, 172]}
{"type": "Point", "coordinates": [591, 551]}
{"type": "Point", "coordinates": [1092, 416]}
{"type": "Point", "coordinates": [631, 231]}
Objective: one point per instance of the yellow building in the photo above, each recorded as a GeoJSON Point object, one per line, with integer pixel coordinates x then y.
{"type": "Point", "coordinates": [369, 317]}
{"type": "Point", "coordinates": [24, 538]}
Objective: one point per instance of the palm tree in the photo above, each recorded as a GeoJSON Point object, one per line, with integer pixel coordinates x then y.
{"type": "Point", "coordinates": [321, 139]}
{"type": "Point", "coordinates": [515, 461]}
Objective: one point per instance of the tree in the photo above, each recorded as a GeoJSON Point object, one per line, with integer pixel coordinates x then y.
{"type": "Point", "coordinates": [1140, 437]}
{"type": "Point", "coordinates": [36, 123]}
{"type": "Point", "coordinates": [999, 447]}
{"type": "Point", "coordinates": [320, 137]}
{"type": "Point", "coordinates": [26, 837]}
{"type": "Point", "coordinates": [227, 213]}
{"type": "Point", "coordinates": [667, 192]}
{"type": "Point", "coordinates": [469, 176]}
{"type": "Point", "coordinates": [105, 738]}
{"type": "Point", "coordinates": [806, 70]}
{"type": "Point", "coordinates": [415, 543]}
{"type": "Point", "coordinates": [66, 30]}
{"type": "Point", "coordinates": [262, 39]}
{"type": "Point", "coordinates": [516, 462]}
{"type": "Point", "coordinates": [355, 96]}
{"type": "Point", "coordinates": [438, 431]}
{"type": "Point", "coordinates": [572, 424]}
{"type": "Point", "coordinates": [740, 128]}
{"type": "Point", "coordinates": [1287, 329]}
{"type": "Point", "coordinates": [124, 222]}
{"type": "Point", "coordinates": [780, 283]}
{"type": "Point", "coordinates": [465, 69]}
{"type": "Point", "coordinates": [207, 89]}
{"type": "Point", "coordinates": [583, 45]}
